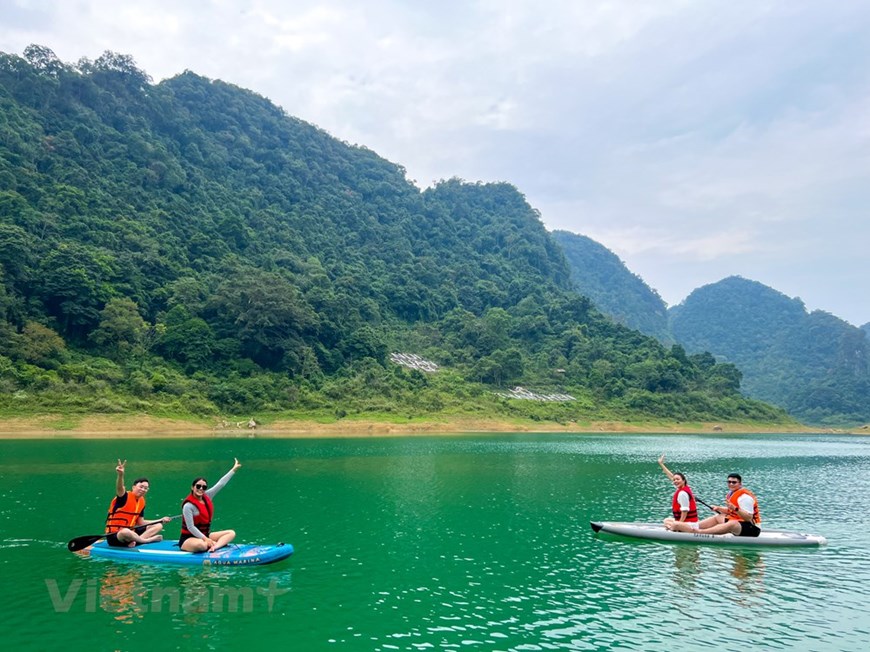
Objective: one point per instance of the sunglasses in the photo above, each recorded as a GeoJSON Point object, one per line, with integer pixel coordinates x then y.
{"type": "Point", "coordinates": [733, 481]}
{"type": "Point", "coordinates": [201, 486]}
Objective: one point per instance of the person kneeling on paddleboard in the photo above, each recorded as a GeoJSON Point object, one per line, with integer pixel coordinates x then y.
{"type": "Point", "coordinates": [197, 511]}
{"type": "Point", "coordinates": [739, 515]}
{"type": "Point", "coordinates": [127, 510]}
{"type": "Point", "coordinates": [683, 505]}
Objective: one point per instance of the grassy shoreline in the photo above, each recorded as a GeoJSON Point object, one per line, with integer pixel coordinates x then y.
{"type": "Point", "coordinates": [79, 426]}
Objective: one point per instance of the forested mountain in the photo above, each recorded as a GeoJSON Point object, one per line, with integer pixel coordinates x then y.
{"type": "Point", "coordinates": [599, 274]}
{"type": "Point", "coordinates": [813, 364]}
{"type": "Point", "coordinates": [188, 248]}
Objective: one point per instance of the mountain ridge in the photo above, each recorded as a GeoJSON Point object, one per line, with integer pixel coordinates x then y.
{"type": "Point", "coordinates": [600, 274]}
{"type": "Point", "coordinates": [813, 364]}
{"type": "Point", "coordinates": [187, 247]}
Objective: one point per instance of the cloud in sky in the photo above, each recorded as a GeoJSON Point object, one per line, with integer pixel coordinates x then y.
{"type": "Point", "coordinates": [696, 139]}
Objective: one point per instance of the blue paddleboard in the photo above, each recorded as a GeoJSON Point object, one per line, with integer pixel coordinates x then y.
{"type": "Point", "coordinates": [168, 552]}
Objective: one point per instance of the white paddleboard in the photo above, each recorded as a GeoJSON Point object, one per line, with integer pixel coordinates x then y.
{"type": "Point", "coordinates": [658, 532]}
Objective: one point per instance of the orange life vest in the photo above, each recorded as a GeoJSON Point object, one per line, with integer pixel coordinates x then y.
{"type": "Point", "coordinates": [732, 499]}
{"type": "Point", "coordinates": [126, 513]}
{"type": "Point", "coordinates": [692, 516]}
{"type": "Point", "coordinates": [202, 520]}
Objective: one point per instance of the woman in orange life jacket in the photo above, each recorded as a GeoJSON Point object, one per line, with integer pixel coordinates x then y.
{"type": "Point", "coordinates": [197, 511]}
{"type": "Point", "coordinates": [738, 516]}
{"type": "Point", "coordinates": [126, 511]}
{"type": "Point", "coordinates": [683, 505]}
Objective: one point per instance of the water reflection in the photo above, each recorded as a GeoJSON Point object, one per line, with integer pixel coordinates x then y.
{"type": "Point", "coordinates": [123, 594]}
{"type": "Point", "coordinates": [687, 566]}
{"type": "Point", "coordinates": [190, 597]}
{"type": "Point", "coordinates": [748, 567]}
{"type": "Point", "coordinates": [696, 568]}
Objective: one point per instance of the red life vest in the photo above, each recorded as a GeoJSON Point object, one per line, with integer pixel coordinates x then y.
{"type": "Point", "coordinates": [732, 500]}
{"type": "Point", "coordinates": [692, 516]}
{"type": "Point", "coordinates": [126, 513]}
{"type": "Point", "coordinates": [202, 520]}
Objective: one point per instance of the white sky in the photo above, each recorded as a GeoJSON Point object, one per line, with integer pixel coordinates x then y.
{"type": "Point", "coordinates": [695, 138]}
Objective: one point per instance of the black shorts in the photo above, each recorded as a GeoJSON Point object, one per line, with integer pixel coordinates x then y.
{"type": "Point", "coordinates": [185, 537]}
{"type": "Point", "coordinates": [112, 540]}
{"type": "Point", "coordinates": [748, 529]}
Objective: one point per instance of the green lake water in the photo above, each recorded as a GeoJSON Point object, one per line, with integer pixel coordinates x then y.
{"type": "Point", "coordinates": [440, 543]}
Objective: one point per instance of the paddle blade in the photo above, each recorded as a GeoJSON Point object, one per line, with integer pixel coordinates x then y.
{"type": "Point", "coordinates": [80, 543]}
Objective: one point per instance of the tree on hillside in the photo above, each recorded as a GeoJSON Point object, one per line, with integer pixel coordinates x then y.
{"type": "Point", "coordinates": [121, 329]}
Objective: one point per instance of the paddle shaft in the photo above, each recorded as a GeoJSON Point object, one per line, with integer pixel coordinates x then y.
{"type": "Point", "coordinates": [713, 510]}
{"type": "Point", "coordinates": [705, 504]}
{"type": "Point", "coordinates": [79, 543]}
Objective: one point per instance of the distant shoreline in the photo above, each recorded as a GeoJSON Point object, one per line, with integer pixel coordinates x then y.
{"type": "Point", "coordinates": [144, 426]}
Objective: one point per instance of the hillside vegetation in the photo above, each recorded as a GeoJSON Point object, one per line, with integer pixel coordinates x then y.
{"type": "Point", "coordinates": [811, 363]}
{"type": "Point", "coordinates": [187, 248]}
{"type": "Point", "coordinates": [599, 274]}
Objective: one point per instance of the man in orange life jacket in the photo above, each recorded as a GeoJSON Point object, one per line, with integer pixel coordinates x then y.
{"type": "Point", "coordinates": [126, 511]}
{"type": "Point", "coordinates": [683, 505]}
{"type": "Point", "coordinates": [739, 515]}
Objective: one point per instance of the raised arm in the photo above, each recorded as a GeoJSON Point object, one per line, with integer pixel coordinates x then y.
{"type": "Point", "coordinates": [666, 469]}
{"type": "Point", "coordinates": [223, 481]}
{"type": "Point", "coordinates": [119, 481]}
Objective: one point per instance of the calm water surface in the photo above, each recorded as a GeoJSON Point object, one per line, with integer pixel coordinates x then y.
{"type": "Point", "coordinates": [441, 543]}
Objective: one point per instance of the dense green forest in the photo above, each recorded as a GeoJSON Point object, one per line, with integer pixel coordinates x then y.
{"type": "Point", "coordinates": [815, 365]}
{"type": "Point", "coordinates": [599, 274]}
{"type": "Point", "coordinates": [188, 248]}
{"type": "Point", "coordinates": [812, 364]}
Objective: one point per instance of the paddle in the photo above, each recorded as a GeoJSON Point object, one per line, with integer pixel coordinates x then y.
{"type": "Point", "coordinates": [705, 504]}
{"type": "Point", "coordinates": [713, 510]}
{"type": "Point", "coordinates": [80, 543]}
